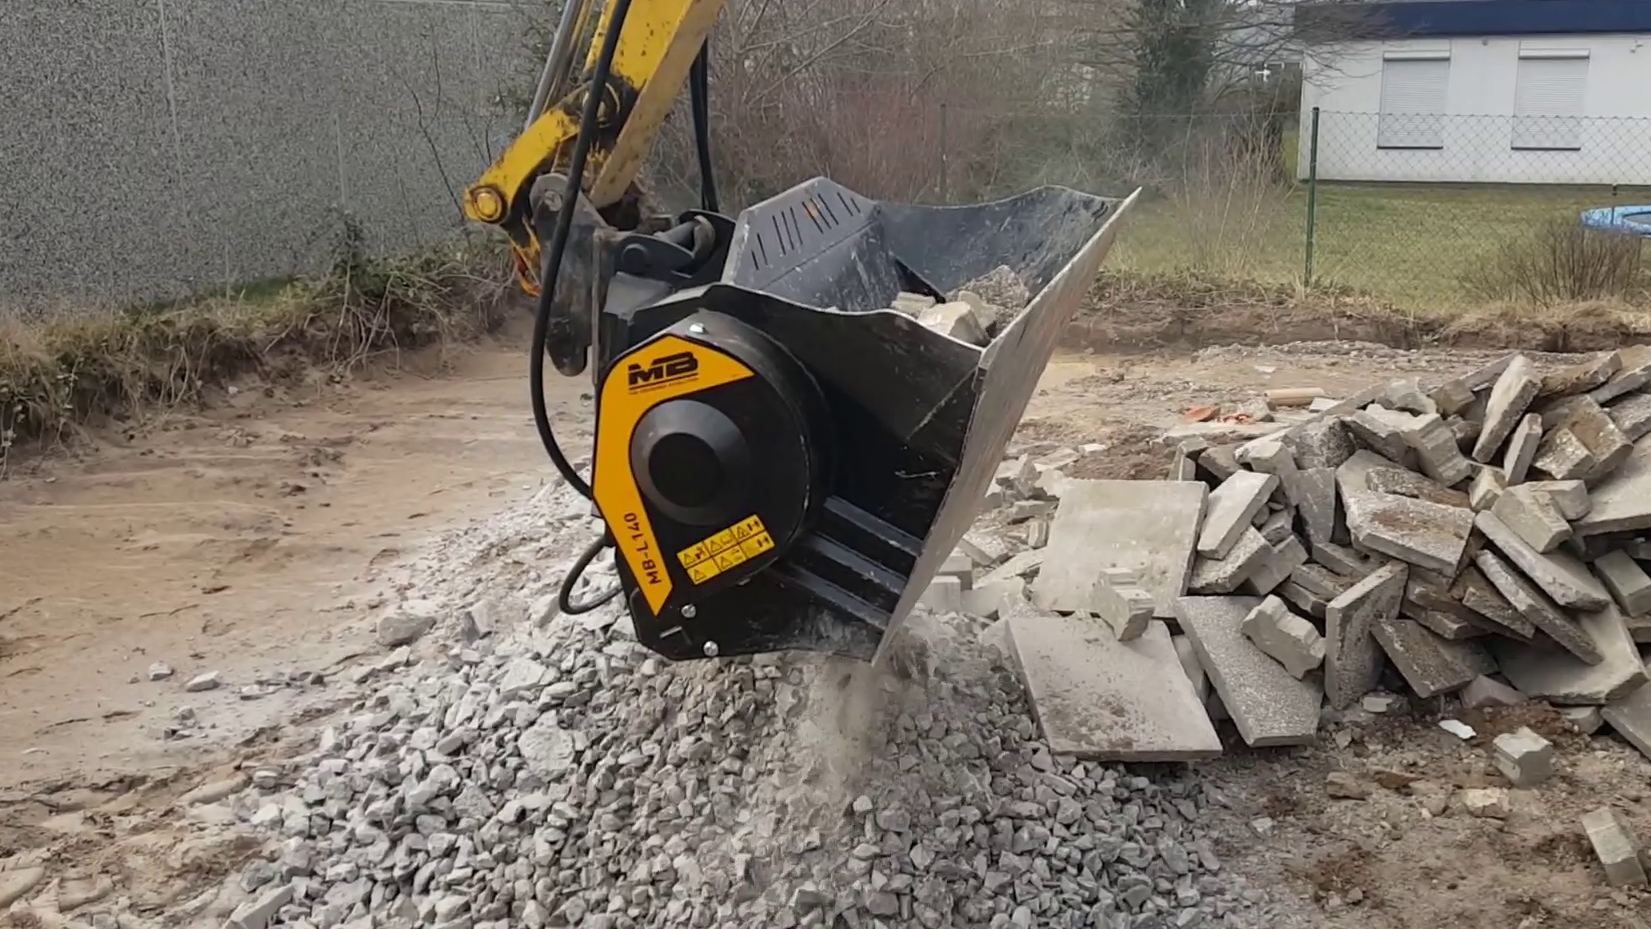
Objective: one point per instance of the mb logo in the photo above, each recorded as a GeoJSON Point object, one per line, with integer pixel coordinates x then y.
{"type": "Point", "coordinates": [661, 370]}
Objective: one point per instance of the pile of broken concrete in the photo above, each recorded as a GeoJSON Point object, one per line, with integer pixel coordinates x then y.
{"type": "Point", "coordinates": [1482, 537]}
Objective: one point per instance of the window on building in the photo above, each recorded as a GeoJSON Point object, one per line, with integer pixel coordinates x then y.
{"type": "Point", "coordinates": [1548, 100]}
{"type": "Point", "coordinates": [1413, 100]}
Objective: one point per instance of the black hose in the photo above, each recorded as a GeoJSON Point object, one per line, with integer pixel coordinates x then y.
{"type": "Point", "coordinates": [559, 244]}
{"type": "Point", "coordinates": [564, 597]}
{"type": "Point", "coordinates": [699, 95]}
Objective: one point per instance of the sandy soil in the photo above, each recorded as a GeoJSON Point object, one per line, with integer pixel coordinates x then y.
{"type": "Point", "coordinates": [253, 539]}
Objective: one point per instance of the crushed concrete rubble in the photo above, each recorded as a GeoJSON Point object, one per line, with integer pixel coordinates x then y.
{"type": "Point", "coordinates": [559, 774]}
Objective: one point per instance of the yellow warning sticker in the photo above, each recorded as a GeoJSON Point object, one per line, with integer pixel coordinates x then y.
{"type": "Point", "coordinates": [726, 550]}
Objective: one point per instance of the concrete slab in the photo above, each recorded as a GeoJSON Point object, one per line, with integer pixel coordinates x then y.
{"type": "Point", "coordinates": [1631, 716]}
{"type": "Point", "coordinates": [1382, 431]}
{"type": "Point", "coordinates": [1189, 664]}
{"type": "Point", "coordinates": [1535, 606]}
{"type": "Point", "coordinates": [1563, 456]}
{"type": "Point", "coordinates": [1630, 586]}
{"type": "Point", "coordinates": [1352, 660]}
{"type": "Point", "coordinates": [1098, 698]}
{"type": "Point", "coordinates": [1639, 628]}
{"type": "Point", "coordinates": [1437, 451]}
{"type": "Point", "coordinates": [1303, 599]}
{"type": "Point", "coordinates": [1347, 562]}
{"type": "Point", "coordinates": [1218, 433]}
{"type": "Point", "coordinates": [1522, 446]}
{"type": "Point", "coordinates": [1571, 497]}
{"type": "Point", "coordinates": [1148, 527]}
{"type": "Point", "coordinates": [1278, 526]}
{"type": "Point", "coordinates": [1268, 706]}
{"type": "Point", "coordinates": [1322, 443]}
{"type": "Point", "coordinates": [1607, 444]}
{"type": "Point", "coordinates": [1231, 508]}
{"type": "Point", "coordinates": [1428, 535]}
{"type": "Point", "coordinates": [1509, 398]}
{"type": "Point", "coordinates": [1488, 485]}
{"type": "Point", "coordinates": [1561, 575]}
{"type": "Point", "coordinates": [1564, 679]}
{"type": "Point", "coordinates": [1430, 664]}
{"type": "Point", "coordinates": [1287, 638]}
{"type": "Point", "coordinates": [1483, 691]}
{"type": "Point", "coordinates": [1621, 502]}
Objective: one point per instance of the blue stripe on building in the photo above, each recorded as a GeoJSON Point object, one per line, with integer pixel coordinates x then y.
{"type": "Point", "coordinates": [1425, 18]}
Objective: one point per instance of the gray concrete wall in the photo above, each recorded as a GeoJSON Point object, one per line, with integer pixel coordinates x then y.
{"type": "Point", "coordinates": [150, 149]}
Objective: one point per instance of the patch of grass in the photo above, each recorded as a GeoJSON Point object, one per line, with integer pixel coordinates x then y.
{"type": "Point", "coordinates": [1413, 245]}
{"type": "Point", "coordinates": [64, 371]}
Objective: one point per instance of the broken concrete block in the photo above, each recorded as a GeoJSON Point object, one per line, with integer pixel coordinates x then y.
{"type": "Point", "coordinates": [1522, 445]}
{"type": "Point", "coordinates": [1231, 506]}
{"type": "Point", "coordinates": [1268, 455]}
{"type": "Point", "coordinates": [1162, 519]}
{"type": "Point", "coordinates": [1630, 716]}
{"type": "Point", "coordinates": [1277, 527]}
{"type": "Point", "coordinates": [1352, 660]}
{"type": "Point", "coordinates": [1562, 456]}
{"type": "Point", "coordinates": [1345, 561]}
{"type": "Point", "coordinates": [1098, 698]}
{"type": "Point", "coordinates": [1486, 802]}
{"type": "Point", "coordinates": [1320, 443]}
{"type": "Point", "coordinates": [1430, 664]}
{"type": "Point", "coordinates": [1562, 678]}
{"type": "Point", "coordinates": [1219, 433]}
{"type": "Point", "coordinates": [1428, 535]}
{"type": "Point", "coordinates": [1533, 516]}
{"type": "Point", "coordinates": [1303, 599]}
{"type": "Point", "coordinates": [1606, 444]}
{"type": "Point", "coordinates": [1037, 533]}
{"type": "Point", "coordinates": [1628, 583]}
{"type": "Point", "coordinates": [910, 303]}
{"type": "Point", "coordinates": [1284, 636]}
{"type": "Point", "coordinates": [1382, 431]}
{"type": "Point", "coordinates": [1488, 485]}
{"type": "Point", "coordinates": [1616, 846]}
{"type": "Point", "coordinates": [1435, 445]}
{"type": "Point", "coordinates": [1212, 576]}
{"type": "Point", "coordinates": [1561, 575]}
{"type": "Point", "coordinates": [1444, 624]}
{"type": "Point", "coordinates": [1489, 607]}
{"type": "Point", "coordinates": [1320, 581]}
{"type": "Point", "coordinates": [1410, 484]}
{"type": "Point", "coordinates": [1406, 394]}
{"type": "Point", "coordinates": [1524, 758]}
{"type": "Point", "coordinates": [1634, 374]}
{"type": "Point", "coordinates": [1268, 706]}
{"type": "Point", "coordinates": [1639, 628]}
{"type": "Point", "coordinates": [1483, 691]}
{"type": "Point", "coordinates": [1219, 462]}
{"type": "Point", "coordinates": [1024, 564]}
{"type": "Point", "coordinates": [957, 320]}
{"type": "Point", "coordinates": [944, 595]}
{"type": "Point", "coordinates": [1466, 432]}
{"type": "Point", "coordinates": [1535, 606]}
{"type": "Point", "coordinates": [1315, 493]}
{"type": "Point", "coordinates": [1632, 415]}
{"type": "Point", "coordinates": [960, 566]}
{"type": "Point", "coordinates": [1512, 394]}
{"type": "Point", "coordinates": [1571, 497]}
{"type": "Point", "coordinates": [1275, 568]}
{"type": "Point", "coordinates": [1584, 719]}
{"type": "Point", "coordinates": [996, 599]}
{"type": "Point", "coordinates": [1622, 501]}
{"type": "Point", "coordinates": [1582, 376]}
{"type": "Point", "coordinates": [1189, 664]}
{"type": "Point", "coordinates": [983, 548]}
{"type": "Point", "coordinates": [1451, 397]}
{"type": "Point", "coordinates": [1122, 604]}
{"type": "Point", "coordinates": [1183, 467]}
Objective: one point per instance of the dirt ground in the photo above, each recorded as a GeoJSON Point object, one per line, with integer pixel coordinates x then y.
{"type": "Point", "coordinates": [252, 539]}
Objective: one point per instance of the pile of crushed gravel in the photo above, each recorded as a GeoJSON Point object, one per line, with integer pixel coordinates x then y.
{"type": "Point", "coordinates": [558, 774]}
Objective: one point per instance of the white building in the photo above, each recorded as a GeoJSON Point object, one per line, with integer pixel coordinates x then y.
{"type": "Point", "coordinates": [1482, 91]}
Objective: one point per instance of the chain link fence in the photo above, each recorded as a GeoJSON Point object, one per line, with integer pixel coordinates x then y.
{"type": "Point", "coordinates": [1428, 213]}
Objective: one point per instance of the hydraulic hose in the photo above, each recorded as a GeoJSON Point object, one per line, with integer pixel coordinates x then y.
{"type": "Point", "coordinates": [559, 245]}
{"type": "Point", "coordinates": [699, 94]}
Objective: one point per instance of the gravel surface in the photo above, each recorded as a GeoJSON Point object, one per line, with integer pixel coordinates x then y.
{"type": "Point", "coordinates": [559, 774]}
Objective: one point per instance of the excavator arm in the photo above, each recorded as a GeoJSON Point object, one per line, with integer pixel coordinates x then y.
{"type": "Point", "coordinates": [654, 54]}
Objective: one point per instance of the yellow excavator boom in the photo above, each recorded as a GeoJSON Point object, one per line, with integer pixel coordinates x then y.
{"type": "Point", "coordinates": [655, 51]}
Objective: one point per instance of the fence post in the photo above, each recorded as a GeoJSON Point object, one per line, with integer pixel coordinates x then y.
{"type": "Point", "coordinates": [945, 198]}
{"type": "Point", "coordinates": [1312, 196]}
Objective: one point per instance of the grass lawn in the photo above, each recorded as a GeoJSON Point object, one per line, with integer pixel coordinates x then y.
{"type": "Point", "coordinates": [1410, 244]}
